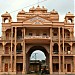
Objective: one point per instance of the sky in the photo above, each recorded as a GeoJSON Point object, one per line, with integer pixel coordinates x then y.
{"type": "Point", "coordinates": [14, 6]}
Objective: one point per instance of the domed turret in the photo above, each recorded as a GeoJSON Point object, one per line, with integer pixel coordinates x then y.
{"type": "Point", "coordinates": [21, 12]}
{"type": "Point", "coordinates": [21, 16]}
{"type": "Point", "coordinates": [53, 12]}
{"type": "Point", "coordinates": [6, 17]}
{"type": "Point", "coordinates": [54, 16]}
{"type": "Point", "coordinates": [38, 9]}
{"type": "Point", "coordinates": [69, 18]}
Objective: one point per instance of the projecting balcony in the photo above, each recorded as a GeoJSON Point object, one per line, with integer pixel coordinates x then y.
{"type": "Point", "coordinates": [37, 37]}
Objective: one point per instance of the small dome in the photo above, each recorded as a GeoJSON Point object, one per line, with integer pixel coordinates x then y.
{"type": "Point", "coordinates": [32, 8]}
{"type": "Point", "coordinates": [54, 12]}
{"type": "Point", "coordinates": [43, 8]}
{"type": "Point", "coordinates": [21, 12]}
{"type": "Point", "coordinates": [38, 8]}
{"type": "Point", "coordinates": [69, 14]}
{"type": "Point", "coordinates": [5, 14]}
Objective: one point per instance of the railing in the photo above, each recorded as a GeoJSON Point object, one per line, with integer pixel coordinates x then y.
{"type": "Point", "coordinates": [5, 38]}
{"type": "Point", "coordinates": [38, 37]}
{"type": "Point", "coordinates": [18, 51]}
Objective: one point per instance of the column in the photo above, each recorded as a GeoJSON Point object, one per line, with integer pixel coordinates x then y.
{"type": "Point", "coordinates": [3, 47]}
{"type": "Point", "coordinates": [74, 63]}
{"type": "Point", "coordinates": [11, 46]}
{"type": "Point", "coordinates": [63, 47]}
{"type": "Point", "coordinates": [71, 48]}
{"type": "Point", "coordinates": [59, 52]}
{"type": "Point", "coordinates": [24, 55]}
{"type": "Point", "coordinates": [15, 51]}
{"type": "Point", "coordinates": [22, 33]}
{"type": "Point", "coordinates": [51, 51]}
{"type": "Point", "coordinates": [0, 63]}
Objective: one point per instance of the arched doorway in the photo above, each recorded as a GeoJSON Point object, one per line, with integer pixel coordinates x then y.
{"type": "Point", "coordinates": [36, 63]}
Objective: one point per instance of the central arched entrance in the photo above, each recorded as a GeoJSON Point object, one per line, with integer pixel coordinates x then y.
{"type": "Point", "coordinates": [36, 66]}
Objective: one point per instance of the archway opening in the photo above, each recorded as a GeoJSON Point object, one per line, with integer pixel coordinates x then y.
{"type": "Point", "coordinates": [37, 60]}
{"type": "Point", "coordinates": [38, 55]}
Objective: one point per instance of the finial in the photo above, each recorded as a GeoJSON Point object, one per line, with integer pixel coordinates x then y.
{"type": "Point", "coordinates": [38, 6]}
{"type": "Point", "coordinates": [6, 12]}
{"type": "Point", "coordinates": [42, 6]}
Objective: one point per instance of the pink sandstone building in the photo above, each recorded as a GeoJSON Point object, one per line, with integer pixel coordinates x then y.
{"type": "Point", "coordinates": [37, 29]}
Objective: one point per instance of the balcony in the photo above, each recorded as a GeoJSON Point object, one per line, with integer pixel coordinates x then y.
{"type": "Point", "coordinates": [55, 52]}
{"type": "Point", "coordinates": [5, 38]}
{"type": "Point", "coordinates": [18, 51]}
{"type": "Point", "coordinates": [55, 38]}
{"type": "Point", "coordinates": [37, 37]}
{"type": "Point", "coordinates": [19, 38]}
{"type": "Point", "coordinates": [67, 38]}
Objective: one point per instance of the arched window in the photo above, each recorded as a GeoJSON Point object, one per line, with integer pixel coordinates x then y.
{"type": "Point", "coordinates": [6, 20]}
{"type": "Point", "coordinates": [55, 48]}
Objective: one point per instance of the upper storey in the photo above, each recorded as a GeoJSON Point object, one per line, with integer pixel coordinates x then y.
{"type": "Point", "coordinates": [39, 13]}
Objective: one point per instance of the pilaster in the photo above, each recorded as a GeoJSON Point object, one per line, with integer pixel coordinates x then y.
{"type": "Point", "coordinates": [59, 52]}
{"type": "Point", "coordinates": [74, 63]}
{"type": "Point", "coordinates": [24, 55]}
{"type": "Point", "coordinates": [0, 63]}
{"type": "Point", "coordinates": [63, 47]}
{"type": "Point", "coordinates": [15, 51]}
{"type": "Point", "coordinates": [51, 51]}
{"type": "Point", "coordinates": [11, 46]}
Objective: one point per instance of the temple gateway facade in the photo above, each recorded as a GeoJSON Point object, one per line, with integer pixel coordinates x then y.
{"type": "Point", "coordinates": [41, 30]}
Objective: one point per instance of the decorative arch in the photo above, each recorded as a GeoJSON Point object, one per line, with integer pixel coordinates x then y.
{"type": "Point", "coordinates": [6, 20]}
{"type": "Point", "coordinates": [18, 48]}
{"type": "Point", "coordinates": [7, 48]}
{"type": "Point", "coordinates": [67, 33]}
{"type": "Point", "coordinates": [8, 33]}
{"type": "Point", "coordinates": [55, 48]}
{"type": "Point", "coordinates": [31, 50]}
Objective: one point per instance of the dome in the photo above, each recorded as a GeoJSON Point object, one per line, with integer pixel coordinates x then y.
{"type": "Point", "coordinates": [54, 12]}
{"type": "Point", "coordinates": [69, 14]}
{"type": "Point", "coordinates": [32, 8]}
{"type": "Point", "coordinates": [43, 8]}
{"type": "Point", "coordinates": [5, 14]}
{"type": "Point", "coordinates": [21, 12]}
{"type": "Point", "coordinates": [38, 8]}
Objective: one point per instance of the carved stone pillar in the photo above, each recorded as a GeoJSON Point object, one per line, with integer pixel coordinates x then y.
{"type": "Point", "coordinates": [74, 63]}
{"type": "Point", "coordinates": [11, 46]}
{"type": "Point", "coordinates": [0, 63]}
{"type": "Point", "coordinates": [63, 48]}
{"type": "Point", "coordinates": [59, 52]}
{"type": "Point", "coordinates": [15, 51]}
{"type": "Point", "coordinates": [24, 55]}
{"type": "Point", "coordinates": [51, 52]}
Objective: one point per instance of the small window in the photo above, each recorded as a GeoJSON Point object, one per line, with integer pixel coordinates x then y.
{"type": "Point", "coordinates": [68, 48]}
{"type": "Point", "coordinates": [65, 66]}
{"type": "Point", "coordinates": [55, 34]}
{"type": "Point", "coordinates": [30, 34]}
{"type": "Point", "coordinates": [44, 34]}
